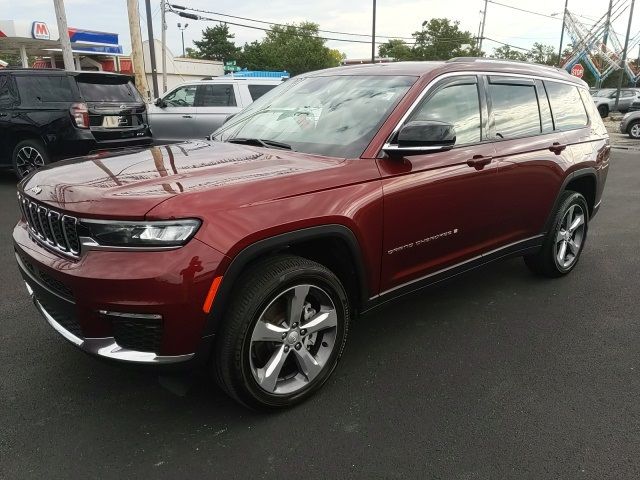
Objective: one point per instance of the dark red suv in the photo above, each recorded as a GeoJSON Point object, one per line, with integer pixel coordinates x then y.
{"type": "Point", "coordinates": [332, 194]}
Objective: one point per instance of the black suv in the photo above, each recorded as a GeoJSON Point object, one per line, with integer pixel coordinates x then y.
{"type": "Point", "coordinates": [48, 115]}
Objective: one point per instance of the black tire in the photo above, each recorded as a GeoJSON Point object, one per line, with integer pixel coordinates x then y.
{"type": "Point", "coordinates": [634, 130]}
{"type": "Point", "coordinates": [603, 110]}
{"type": "Point", "coordinates": [546, 262]}
{"type": "Point", "coordinates": [28, 156]}
{"type": "Point", "coordinates": [256, 290]}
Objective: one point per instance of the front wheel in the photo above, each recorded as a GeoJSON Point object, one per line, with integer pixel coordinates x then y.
{"type": "Point", "coordinates": [284, 332]}
{"type": "Point", "coordinates": [565, 240]}
{"type": "Point", "coordinates": [634, 130]}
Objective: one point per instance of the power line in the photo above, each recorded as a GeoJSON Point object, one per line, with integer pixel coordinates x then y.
{"type": "Point", "coordinates": [179, 7]}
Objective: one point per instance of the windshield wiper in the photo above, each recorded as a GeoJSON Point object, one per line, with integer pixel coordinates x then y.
{"type": "Point", "coordinates": [260, 142]}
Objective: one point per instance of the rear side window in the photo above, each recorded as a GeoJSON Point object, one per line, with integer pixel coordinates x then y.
{"type": "Point", "coordinates": [218, 95]}
{"type": "Point", "coordinates": [515, 110]}
{"type": "Point", "coordinates": [6, 96]}
{"type": "Point", "coordinates": [257, 91]}
{"type": "Point", "coordinates": [107, 90]}
{"type": "Point", "coordinates": [44, 89]}
{"type": "Point", "coordinates": [457, 104]}
{"type": "Point", "coordinates": [566, 105]}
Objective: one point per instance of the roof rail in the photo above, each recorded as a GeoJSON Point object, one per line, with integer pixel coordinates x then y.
{"type": "Point", "coordinates": [501, 60]}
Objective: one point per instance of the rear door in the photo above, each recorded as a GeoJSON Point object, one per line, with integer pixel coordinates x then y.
{"type": "Point", "coordinates": [176, 120]}
{"type": "Point", "coordinates": [214, 103]}
{"type": "Point", "coordinates": [532, 154]}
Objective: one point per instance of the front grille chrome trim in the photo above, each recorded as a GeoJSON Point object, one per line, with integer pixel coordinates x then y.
{"type": "Point", "coordinates": [51, 228]}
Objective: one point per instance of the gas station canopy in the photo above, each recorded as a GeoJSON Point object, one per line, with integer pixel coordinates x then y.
{"type": "Point", "coordinates": [40, 39]}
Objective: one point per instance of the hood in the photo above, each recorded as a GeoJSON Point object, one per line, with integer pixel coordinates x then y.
{"type": "Point", "coordinates": [129, 185]}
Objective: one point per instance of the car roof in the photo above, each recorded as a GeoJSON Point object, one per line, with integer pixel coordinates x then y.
{"type": "Point", "coordinates": [460, 64]}
{"type": "Point", "coordinates": [60, 71]}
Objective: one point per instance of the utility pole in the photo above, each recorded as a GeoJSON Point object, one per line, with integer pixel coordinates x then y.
{"type": "Point", "coordinates": [623, 63]}
{"type": "Point", "coordinates": [484, 20]}
{"type": "Point", "coordinates": [164, 44]}
{"type": "Point", "coordinates": [137, 58]}
{"type": "Point", "coordinates": [564, 23]}
{"type": "Point", "coordinates": [607, 26]}
{"type": "Point", "coordinates": [373, 34]}
{"type": "Point", "coordinates": [63, 29]}
{"type": "Point", "coordinates": [152, 50]}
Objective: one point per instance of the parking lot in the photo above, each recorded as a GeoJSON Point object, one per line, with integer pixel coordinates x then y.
{"type": "Point", "coordinates": [498, 374]}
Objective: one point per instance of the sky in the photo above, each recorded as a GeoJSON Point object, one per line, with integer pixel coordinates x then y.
{"type": "Point", "coordinates": [394, 18]}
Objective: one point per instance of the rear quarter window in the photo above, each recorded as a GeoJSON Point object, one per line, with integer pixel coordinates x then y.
{"type": "Point", "coordinates": [257, 91]}
{"type": "Point", "coordinates": [566, 106]}
{"type": "Point", "coordinates": [39, 89]}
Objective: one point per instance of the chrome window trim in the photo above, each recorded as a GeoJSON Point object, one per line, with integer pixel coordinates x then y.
{"type": "Point", "coordinates": [443, 76]}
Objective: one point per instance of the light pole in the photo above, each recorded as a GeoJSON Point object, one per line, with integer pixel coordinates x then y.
{"type": "Point", "coordinates": [182, 29]}
{"type": "Point", "coordinates": [623, 63]}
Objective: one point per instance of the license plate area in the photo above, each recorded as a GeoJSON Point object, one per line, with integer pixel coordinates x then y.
{"type": "Point", "coordinates": [116, 121]}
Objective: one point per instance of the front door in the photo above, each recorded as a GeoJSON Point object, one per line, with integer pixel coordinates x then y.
{"type": "Point", "coordinates": [175, 120]}
{"type": "Point", "coordinates": [442, 208]}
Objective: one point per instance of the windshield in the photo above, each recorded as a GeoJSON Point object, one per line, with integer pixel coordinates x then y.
{"type": "Point", "coordinates": [333, 115]}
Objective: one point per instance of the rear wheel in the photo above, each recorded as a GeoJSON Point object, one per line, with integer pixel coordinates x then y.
{"type": "Point", "coordinates": [634, 130]}
{"type": "Point", "coordinates": [284, 332]}
{"type": "Point", "coordinates": [603, 110]}
{"type": "Point", "coordinates": [28, 155]}
{"type": "Point", "coordinates": [565, 240]}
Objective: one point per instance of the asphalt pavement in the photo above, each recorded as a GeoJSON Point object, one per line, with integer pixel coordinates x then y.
{"type": "Point", "coordinates": [497, 374]}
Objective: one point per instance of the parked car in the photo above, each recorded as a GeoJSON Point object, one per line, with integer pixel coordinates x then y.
{"type": "Point", "coordinates": [194, 110]}
{"type": "Point", "coordinates": [332, 195]}
{"type": "Point", "coordinates": [606, 102]}
{"type": "Point", "coordinates": [635, 106]}
{"type": "Point", "coordinates": [630, 124]}
{"type": "Point", "coordinates": [48, 115]}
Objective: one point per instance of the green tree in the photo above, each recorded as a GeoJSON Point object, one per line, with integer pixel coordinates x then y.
{"type": "Point", "coordinates": [396, 49]}
{"type": "Point", "coordinates": [442, 39]}
{"type": "Point", "coordinates": [216, 44]}
{"type": "Point", "coordinates": [294, 48]}
{"type": "Point", "coordinates": [507, 53]}
{"type": "Point", "coordinates": [543, 54]}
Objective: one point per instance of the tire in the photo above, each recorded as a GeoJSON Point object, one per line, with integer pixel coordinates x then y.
{"type": "Point", "coordinates": [603, 110]}
{"type": "Point", "coordinates": [28, 156]}
{"type": "Point", "coordinates": [547, 262]}
{"type": "Point", "coordinates": [248, 347]}
{"type": "Point", "coordinates": [634, 130]}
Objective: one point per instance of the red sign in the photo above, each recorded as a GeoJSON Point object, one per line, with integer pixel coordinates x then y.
{"type": "Point", "coordinates": [40, 31]}
{"type": "Point", "coordinates": [577, 70]}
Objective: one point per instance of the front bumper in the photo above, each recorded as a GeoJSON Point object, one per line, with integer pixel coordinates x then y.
{"type": "Point", "coordinates": [136, 307]}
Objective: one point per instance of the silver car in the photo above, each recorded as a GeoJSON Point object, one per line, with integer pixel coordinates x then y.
{"type": "Point", "coordinates": [195, 109]}
{"type": "Point", "coordinates": [630, 124]}
{"type": "Point", "coordinates": [605, 100]}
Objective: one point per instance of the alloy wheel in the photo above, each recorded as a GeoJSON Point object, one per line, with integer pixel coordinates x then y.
{"type": "Point", "coordinates": [635, 130]}
{"type": "Point", "coordinates": [570, 236]}
{"type": "Point", "coordinates": [293, 339]}
{"type": "Point", "coordinates": [27, 160]}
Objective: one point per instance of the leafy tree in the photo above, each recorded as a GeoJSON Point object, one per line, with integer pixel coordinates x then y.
{"type": "Point", "coordinates": [216, 44]}
{"type": "Point", "coordinates": [252, 57]}
{"type": "Point", "coordinates": [396, 49]}
{"type": "Point", "coordinates": [543, 54]}
{"type": "Point", "coordinates": [442, 39]}
{"type": "Point", "coordinates": [507, 53]}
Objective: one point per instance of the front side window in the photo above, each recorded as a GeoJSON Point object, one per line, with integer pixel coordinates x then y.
{"type": "Point", "coordinates": [334, 115]}
{"type": "Point", "coordinates": [181, 97]}
{"type": "Point", "coordinates": [515, 110]}
{"type": "Point", "coordinates": [566, 106]}
{"type": "Point", "coordinates": [457, 104]}
{"type": "Point", "coordinates": [219, 95]}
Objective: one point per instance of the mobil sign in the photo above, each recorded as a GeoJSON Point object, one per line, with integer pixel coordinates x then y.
{"type": "Point", "coordinates": [40, 31]}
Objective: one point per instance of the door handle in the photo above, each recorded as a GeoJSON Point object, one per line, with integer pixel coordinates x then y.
{"type": "Point", "coordinates": [479, 161]}
{"type": "Point", "coordinates": [557, 148]}
{"type": "Point", "coordinates": [187, 116]}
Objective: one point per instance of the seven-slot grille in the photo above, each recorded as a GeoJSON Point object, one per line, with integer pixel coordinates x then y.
{"type": "Point", "coordinates": [55, 230]}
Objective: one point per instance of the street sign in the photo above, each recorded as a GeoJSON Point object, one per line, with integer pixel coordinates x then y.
{"type": "Point", "coordinates": [232, 68]}
{"type": "Point", "coordinates": [230, 63]}
{"type": "Point", "coordinates": [577, 70]}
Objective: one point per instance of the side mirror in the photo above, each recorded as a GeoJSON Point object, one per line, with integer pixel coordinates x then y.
{"type": "Point", "coordinates": [423, 136]}
{"type": "Point", "coordinates": [160, 103]}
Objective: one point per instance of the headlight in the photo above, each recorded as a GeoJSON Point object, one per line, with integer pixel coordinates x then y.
{"type": "Point", "coordinates": [169, 233]}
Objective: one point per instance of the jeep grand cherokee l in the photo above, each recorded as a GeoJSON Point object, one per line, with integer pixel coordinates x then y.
{"type": "Point", "coordinates": [329, 196]}
{"type": "Point", "coordinates": [47, 115]}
